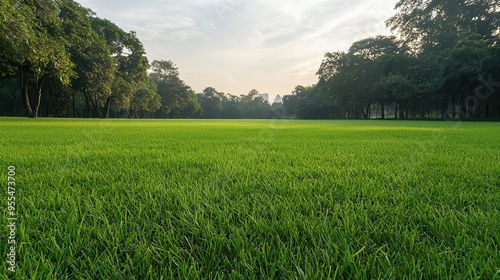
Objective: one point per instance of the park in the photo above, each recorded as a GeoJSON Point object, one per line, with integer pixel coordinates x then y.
{"type": "Point", "coordinates": [379, 157]}
{"type": "Point", "coordinates": [254, 199]}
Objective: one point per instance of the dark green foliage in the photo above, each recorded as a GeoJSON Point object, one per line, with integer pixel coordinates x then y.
{"type": "Point", "coordinates": [178, 99]}
{"type": "Point", "coordinates": [231, 110]}
{"type": "Point", "coordinates": [253, 106]}
{"type": "Point", "coordinates": [60, 45]}
{"type": "Point", "coordinates": [430, 73]}
{"type": "Point", "coordinates": [211, 103]}
{"type": "Point", "coordinates": [447, 54]}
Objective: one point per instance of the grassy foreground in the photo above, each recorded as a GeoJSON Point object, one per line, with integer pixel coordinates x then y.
{"type": "Point", "coordinates": [273, 199]}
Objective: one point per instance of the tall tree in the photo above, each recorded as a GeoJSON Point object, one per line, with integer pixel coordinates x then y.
{"type": "Point", "coordinates": [146, 100]}
{"type": "Point", "coordinates": [130, 60]}
{"type": "Point", "coordinates": [211, 102]}
{"type": "Point", "coordinates": [94, 65]}
{"type": "Point", "coordinates": [290, 101]}
{"type": "Point", "coordinates": [32, 43]}
{"type": "Point", "coordinates": [351, 80]}
{"type": "Point", "coordinates": [175, 94]}
{"type": "Point", "coordinates": [231, 108]}
{"type": "Point", "coordinates": [254, 106]}
{"type": "Point", "coordinates": [440, 24]}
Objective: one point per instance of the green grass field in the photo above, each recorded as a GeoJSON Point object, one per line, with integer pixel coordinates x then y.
{"type": "Point", "coordinates": [270, 199]}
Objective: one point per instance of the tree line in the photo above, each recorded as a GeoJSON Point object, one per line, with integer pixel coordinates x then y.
{"type": "Point", "coordinates": [444, 64]}
{"type": "Point", "coordinates": [59, 59]}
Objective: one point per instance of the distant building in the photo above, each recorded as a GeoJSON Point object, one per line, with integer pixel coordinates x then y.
{"type": "Point", "coordinates": [265, 96]}
{"type": "Point", "coordinates": [278, 100]}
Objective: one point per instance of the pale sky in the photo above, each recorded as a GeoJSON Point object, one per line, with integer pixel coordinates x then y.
{"type": "Point", "coordinates": [237, 45]}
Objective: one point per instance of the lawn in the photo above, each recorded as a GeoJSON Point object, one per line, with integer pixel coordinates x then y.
{"type": "Point", "coordinates": [246, 199]}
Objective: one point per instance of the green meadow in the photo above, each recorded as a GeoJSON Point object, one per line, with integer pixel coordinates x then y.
{"type": "Point", "coordinates": [247, 199]}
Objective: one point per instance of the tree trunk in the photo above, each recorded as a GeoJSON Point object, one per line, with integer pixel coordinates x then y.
{"type": "Point", "coordinates": [96, 108]}
{"type": "Point", "coordinates": [444, 109]}
{"type": "Point", "coordinates": [74, 103]}
{"type": "Point", "coordinates": [26, 98]}
{"type": "Point", "coordinates": [39, 87]}
{"type": "Point", "coordinates": [88, 106]}
{"type": "Point", "coordinates": [25, 93]}
{"type": "Point", "coordinates": [367, 112]}
{"type": "Point", "coordinates": [95, 105]}
{"type": "Point", "coordinates": [51, 93]}
{"type": "Point", "coordinates": [454, 106]}
{"type": "Point", "coordinates": [422, 108]}
{"type": "Point", "coordinates": [430, 108]}
{"type": "Point", "coordinates": [105, 112]}
{"type": "Point", "coordinates": [383, 110]}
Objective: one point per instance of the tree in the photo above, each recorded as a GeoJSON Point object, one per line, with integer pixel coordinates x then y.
{"type": "Point", "coordinates": [146, 100]}
{"type": "Point", "coordinates": [331, 65]}
{"type": "Point", "coordinates": [289, 104]}
{"type": "Point", "coordinates": [211, 102]}
{"type": "Point", "coordinates": [192, 107]}
{"type": "Point", "coordinates": [436, 30]}
{"type": "Point", "coordinates": [298, 103]}
{"type": "Point", "coordinates": [401, 89]}
{"type": "Point", "coordinates": [315, 102]}
{"type": "Point", "coordinates": [94, 65]}
{"type": "Point", "coordinates": [440, 24]}
{"type": "Point", "coordinates": [130, 60]}
{"type": "Point", "coordinates": [16, 21]}
{"type": "Point", "coordinates": [254, 106]}
{"type": "Point", "coordinates": [176, 95]}
{"type": "Point", "coordinates": [350, 81]}
{"type": "Point", "coordinates": [374, 47]}
{"type": "Point", "coordinates": [232, 109]}
{"type": "Point", "coordinates": [32, 46]}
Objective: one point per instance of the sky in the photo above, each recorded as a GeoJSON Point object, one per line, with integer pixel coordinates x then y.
{"type": "Point", "coordinates": [239, 45]}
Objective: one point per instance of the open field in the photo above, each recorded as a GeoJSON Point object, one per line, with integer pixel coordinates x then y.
{"type": "Point", "coordinates": [269, 199]}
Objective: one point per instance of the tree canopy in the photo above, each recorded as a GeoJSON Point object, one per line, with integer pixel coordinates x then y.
{"type": "Point", "coordinates": [433, 68]}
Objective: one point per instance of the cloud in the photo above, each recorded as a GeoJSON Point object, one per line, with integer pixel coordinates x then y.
{"type": "Point", "coordinates": [165, 23]}
{"type": "Point", "coordinates": [161, 22]}
{"type": "Point", "coordinates": [183, 35]}
{"type": "Point", "coordinates": [236, 45]}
